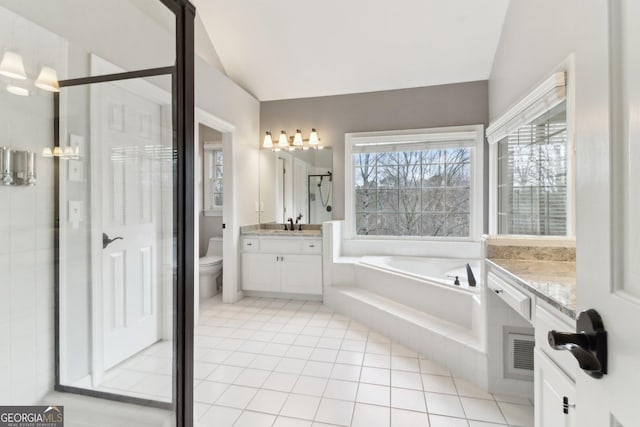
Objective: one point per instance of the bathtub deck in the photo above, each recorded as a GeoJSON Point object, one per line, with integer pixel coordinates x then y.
{"type": "Point", "coordinates": [445, 342]}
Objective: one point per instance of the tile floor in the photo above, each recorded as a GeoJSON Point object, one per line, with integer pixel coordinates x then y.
{"type": "Point", "coordinates": [285, 363]}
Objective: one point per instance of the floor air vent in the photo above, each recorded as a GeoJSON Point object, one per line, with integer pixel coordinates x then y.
{"type": "Point", "coordinates": [518, 355]}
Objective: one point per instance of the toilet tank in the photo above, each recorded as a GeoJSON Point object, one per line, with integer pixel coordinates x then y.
{"type": "Point", "coordinates": [215, 246]}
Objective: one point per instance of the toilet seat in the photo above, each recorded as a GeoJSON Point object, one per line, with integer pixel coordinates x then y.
{"type": "Point", "coordinates": [210, 261]}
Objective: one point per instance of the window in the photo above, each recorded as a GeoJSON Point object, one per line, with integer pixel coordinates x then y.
{"type": "Point", "coordinates": [213, 179]}
{"type": "Point", "coordinates": [532, 180]}
{"type": "Point", "coordinates": [531, 164]}
{"type": "Point", "coordinates": [415, 183]}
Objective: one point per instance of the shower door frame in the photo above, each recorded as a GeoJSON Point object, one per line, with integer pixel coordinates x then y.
{"type": "Point", "coordinates": [182, 79]}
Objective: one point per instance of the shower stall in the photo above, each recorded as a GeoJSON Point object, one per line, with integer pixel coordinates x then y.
{"type": "Point", "coordinates": [319, 189]}
{"type": "Point", "coordinates": [96, 278]}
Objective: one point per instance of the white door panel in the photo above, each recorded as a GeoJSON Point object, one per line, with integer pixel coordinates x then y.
{"type": "Point", "coordinates": [129, 133]}
{"type": "Point", "coordinates": [608, 222]}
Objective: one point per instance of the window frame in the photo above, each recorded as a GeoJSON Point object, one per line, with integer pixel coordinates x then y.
{"type": "Point", "coordinates": [558, 87]}
{"type": "Point", "coordinates": [471, 136]}
{"type": "Point", "coordinates": [210, 208]}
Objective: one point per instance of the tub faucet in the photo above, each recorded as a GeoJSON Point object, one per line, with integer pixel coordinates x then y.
{"type": "Point", "coordinates": [290, 220]}
{"type": "Point", "coordinates": [470, 277]}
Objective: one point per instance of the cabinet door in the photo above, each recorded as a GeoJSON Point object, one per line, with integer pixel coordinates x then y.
{"type": "Point", "coordinates": [302, 274]}
{"type": "Point", "coordinates": [551, 387]}
{"type": "Point", "coordinates": [260, 272]}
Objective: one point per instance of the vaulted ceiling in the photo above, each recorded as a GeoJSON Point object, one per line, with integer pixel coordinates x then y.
{"type": "Point", "coordinates": [283, 49]}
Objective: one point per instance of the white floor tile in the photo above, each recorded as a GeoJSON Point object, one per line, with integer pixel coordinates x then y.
{"type": "Point", "coordinates": [433, 368]}
{"type": "Point", "coordinates": [236, 396]}
{"type": "Point", "coordinates": [254, 419]}
{"type": "Point", "coordinates": [312, 386]}
{"type": "Point", "coordinates": [291, 422]}
{"type": "Point", "coordinates": [280, 381]}
{"type": "Point", "coordinates": [300, 406]}
{"type": "Point", "coordinates": [317, 369]}
{"type": "Point", "coordinates": [225, 374]}
{"type": "Point", "coordinates": [404, 418]}
{"type": "Point", "coordinates": [345, 372]}
{"type": "Point", "coordinates": [209, 392]}
{"type": "Point", "coordinates": [219, 416]}
{"type": "Point", "coordinates": [517, 415]}
{"type": "Point", "coordinates": [467, 389]}
{"type": "Point", "coordinates": [338, 412]}
{"type": "Point", "coordinates": [412, 400]}
{"type": "Point", "coordinates": [473, 423]}
{"type": "Point", "coordinates": [406, 379]}
{"type": "Point", "coordinates": [342, 390]}
{"type": "Point", "coordinates": [444, 404]}
{"type": "Point", "coordinates": [438, 384]}
{"type": "Point", "coordinates": [402, 363]}
{"type": "Point", "coordinates": [350, 357]}
{"type": "Point", "coordinates": [291, 366]}
{"type": "Point", "coordinates": [268, 401]}
{"type": "Point", "coordinates": [375, 376]}
{"type": "Point", "coordinates": [265, 362]}
{"type": "Point", "coordinates": [442, 421]}
{"type": "Point", "coordinates": [371, 416]}
{"type": "Point", "coordinates": [377, 360]}
{"type": "Point", "coordinates": [482, 410]}
{"type": "Point", "coordinates": [252, 378]}
{"type": "Point", "coordinates": [374, 394]}
{"type": "Point", "coordinates": [285, 363]}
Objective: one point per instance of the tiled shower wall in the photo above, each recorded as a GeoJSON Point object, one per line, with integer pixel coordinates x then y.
{"type": "Point", "coordinates": [26, 221]}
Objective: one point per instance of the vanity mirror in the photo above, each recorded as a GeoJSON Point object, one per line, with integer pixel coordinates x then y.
{"type": "Point", "coordinates": [294, 183]}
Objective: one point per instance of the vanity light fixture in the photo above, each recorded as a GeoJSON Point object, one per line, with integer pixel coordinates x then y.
{"type": "Point", "coordinates": [12, 66]}
{"type": "Point", "coordinates": [291, 143]}
{"type": "Point", "coordinates": [65, 153]}
{"type": "Point", "coordinates": [48, 80]}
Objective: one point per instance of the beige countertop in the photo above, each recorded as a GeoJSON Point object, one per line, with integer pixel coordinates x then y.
{"type": "Point", "coordinates": [553, 281]}
{"type": "Point", "coordinates": [272, 229]}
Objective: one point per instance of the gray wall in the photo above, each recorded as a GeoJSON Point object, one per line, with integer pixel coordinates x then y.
{"type": "Point", "coordinates": [333, 116]}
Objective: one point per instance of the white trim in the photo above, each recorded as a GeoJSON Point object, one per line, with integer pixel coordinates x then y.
{"type": "Point", "coordinates": [564, 72]}
{"type": "Point", "coordinates": [231, 233]}
{"type": "Point", "coordinates": [474, 137]}
{"type": "Point", "coordinates": [541, 99]}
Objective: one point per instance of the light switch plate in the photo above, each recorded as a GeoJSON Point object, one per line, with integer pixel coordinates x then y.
{"type": "Point", "coordinates": [76, 213]}
{"type": "Point", "coordinates": [75, 170]}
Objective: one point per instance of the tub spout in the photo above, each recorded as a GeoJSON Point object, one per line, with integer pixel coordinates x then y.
{"type": "Point", "coordinates": [470, 277]}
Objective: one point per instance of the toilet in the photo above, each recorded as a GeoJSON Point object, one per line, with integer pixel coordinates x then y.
{"type": "Point", "coordinates": [211, 269]}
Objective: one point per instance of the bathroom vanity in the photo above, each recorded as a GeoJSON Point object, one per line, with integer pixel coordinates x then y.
{"type": "Point", "coordinates": [538, 283]}
{"type": "Point", "coordinates": [283, 263]}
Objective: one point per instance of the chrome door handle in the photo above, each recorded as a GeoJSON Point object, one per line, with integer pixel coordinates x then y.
{"type": "Point", "coordinates": [106, 241]}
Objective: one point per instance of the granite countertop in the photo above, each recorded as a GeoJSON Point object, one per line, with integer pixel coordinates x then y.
{"type": "Point", "coordinates": [272, 229]}
{"type": "Point", "coordinates": [553, 281]}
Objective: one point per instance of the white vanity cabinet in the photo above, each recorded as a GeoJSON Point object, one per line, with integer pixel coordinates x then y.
{"type": "Point", "coordinates": [288, 265]}
{"type": "Point", "coordinates": [555, 372]}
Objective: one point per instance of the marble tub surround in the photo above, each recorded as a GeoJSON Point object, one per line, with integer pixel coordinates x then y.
{"type": "Point", "coordinates": [531, 248]}
{"type": "Point", "coordinates": [278, 229]}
